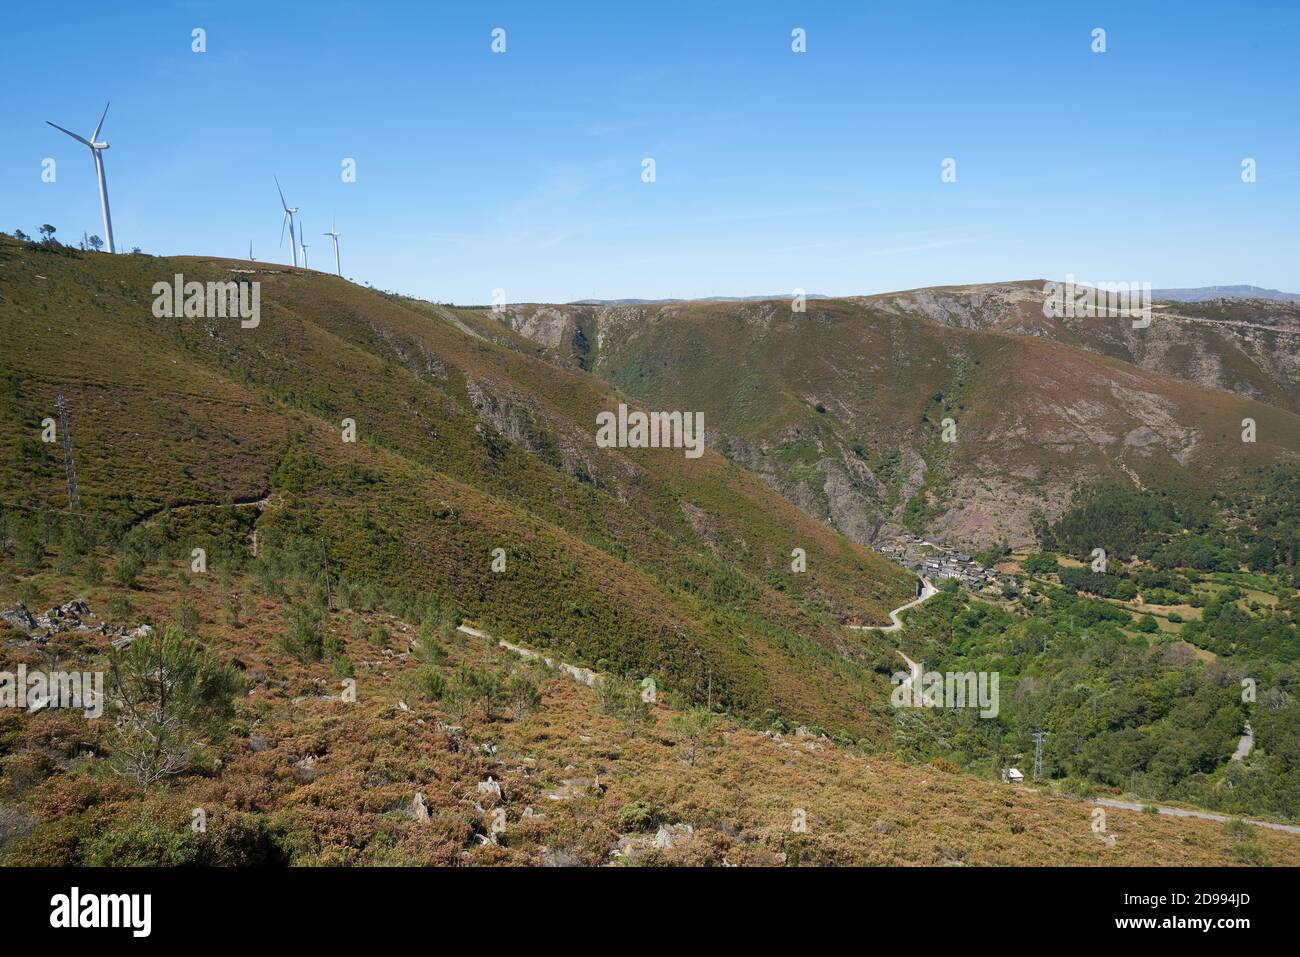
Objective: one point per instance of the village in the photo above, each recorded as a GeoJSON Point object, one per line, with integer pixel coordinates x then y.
{"type": "Point", "coordinates": [937, 561]}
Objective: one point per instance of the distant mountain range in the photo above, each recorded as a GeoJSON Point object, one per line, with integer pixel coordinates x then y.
{"type": "Point", "coordinates": [1198, 294]}
{"type": "Point", "coordinates": [1206, 293]}
{"type": "Point", "coordinates": [659, 302]}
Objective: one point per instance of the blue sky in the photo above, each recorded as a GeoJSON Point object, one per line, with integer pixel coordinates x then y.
{"type": "Point", "coordinates": [775, 170]}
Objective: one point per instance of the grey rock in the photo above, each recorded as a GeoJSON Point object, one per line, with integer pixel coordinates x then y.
{"type": "Point", "coordinates": [420, 809]}
{"type": "Point", "coordinates": [19, 617]}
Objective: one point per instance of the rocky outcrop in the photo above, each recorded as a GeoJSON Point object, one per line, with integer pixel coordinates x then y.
{"type": "Point", "coordinates": [71, 616]}
{"type": "Point", "coordinates": [420, 810]}
{"type": "Point", "coordinates": [17, 616]}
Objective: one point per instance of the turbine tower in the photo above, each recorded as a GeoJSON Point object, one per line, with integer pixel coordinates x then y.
{"type": "Point", "coordinates": [302, 241]}
{"type": "Point", "coordinates": [335, 234]}
{"type": "Point", "coordinates": [288, 221]}
{"type": "Point", "coordinates": [250, 252]}
{"type": "Point", "coordinates": [96, 148]}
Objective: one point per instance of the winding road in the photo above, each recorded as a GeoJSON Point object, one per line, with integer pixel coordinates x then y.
{"type": "Point", "coordinates": [928, 591]}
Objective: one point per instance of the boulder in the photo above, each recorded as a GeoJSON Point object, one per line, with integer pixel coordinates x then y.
{"type": "Point", "coordinates": [669, 834]}
{"type": "Point", "coordinates": [420, 809]}
{"type": "Point", "coordinates": [17, 616]}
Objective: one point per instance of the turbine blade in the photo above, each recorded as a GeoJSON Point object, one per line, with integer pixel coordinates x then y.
{"type": "Point", "coordinates": [70, 133]}
{"type": "Point", "coordinates": [282, 202]}
{"type": "Point", "coordinates": [283, 223]}
{"type": "Point", "coordinates": [95, 135]}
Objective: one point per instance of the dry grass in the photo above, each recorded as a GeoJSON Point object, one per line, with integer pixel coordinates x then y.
{"type": "Point", "coordinates": [334, 779]}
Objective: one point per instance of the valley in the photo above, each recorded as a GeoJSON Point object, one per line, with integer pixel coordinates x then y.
{"type": "Point", "coordinates": [427, 603]}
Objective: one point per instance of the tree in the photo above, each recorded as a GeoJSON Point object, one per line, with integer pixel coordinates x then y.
{"type": "Point", "coordinates": [1040, 563]}
{"type": "Point", "coordinates": [1147, 624]}
{"type": "Point", "coordinates": [696, 732]}
{"type": "Point", "coordinates": [622, 700]}
{"type": "Point", "coordinates": [127, 570]}
{"type": "Point", "coordinates": [95, 243]}
{"type": "Point", "coordinates": [169, 698]}
{"type": "Point", "coordinates": [482, 687]}
{"type": "Point", "coordinates": [20, 235]}
{"type": "Point", "coordinates": [430, 684]}
{"type": "Point", "coordinates": [524, 697]}
{"type": "Point", "coordinates": [303, 639]}
{"type": "Point", "coordinates": [47, 233]}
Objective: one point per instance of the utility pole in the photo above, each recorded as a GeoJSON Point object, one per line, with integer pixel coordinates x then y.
{"type": "Point", "coordinates": [1038, 753]}
{"type": "Point", "coordinates": [325, 563]}
{"type": "Point", "coordinates": [74, 503]}
{"type": "Point", "coordinates": [708, 669]}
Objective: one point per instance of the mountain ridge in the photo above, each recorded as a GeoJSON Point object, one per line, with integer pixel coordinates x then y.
{"type": "Point", "coordinates": [841, 406]}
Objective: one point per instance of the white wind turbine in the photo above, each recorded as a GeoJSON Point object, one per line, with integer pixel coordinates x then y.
{"type": "Point", "coordinates": [288, 220]}
{"type": "Point", "coordinates": [96, 148]}
{"type": "Point", "coordinates": [335, 234]}
{"type": "Point", "coordinates": [302, 241]}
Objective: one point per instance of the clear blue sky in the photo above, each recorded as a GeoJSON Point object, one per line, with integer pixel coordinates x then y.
{"type": "Point", "coordinates": [775, 170]}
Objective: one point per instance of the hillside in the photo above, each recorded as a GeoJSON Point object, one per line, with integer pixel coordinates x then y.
{"type": "Point", "coordinates": [643, 561]}
{"type": "Point", "coordinates": [380, 696]}
{"type": "Point", "coordinates": [842, 407]}
{"type": "Point", "coordinates": [411, 774]}
{"type": "Point", "coordinates": [1250, 346]}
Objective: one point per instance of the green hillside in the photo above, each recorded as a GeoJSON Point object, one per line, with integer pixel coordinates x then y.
{"type": "Point", "coordinates": [641, 560]}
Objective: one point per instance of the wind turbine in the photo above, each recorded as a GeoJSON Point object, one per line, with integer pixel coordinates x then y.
{"type": "Point", "coordinates": [250, 252]}
{"type": "Point", "coordinates": [288, 220]}
{"type": "Point", "coordinates": [96, 148]}
{"type": "Point", "coordinates": [335, 234]}
{"type": "Point", "coordinates": [302, 241]}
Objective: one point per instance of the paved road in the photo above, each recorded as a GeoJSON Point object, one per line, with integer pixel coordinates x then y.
{"type": "Point", "coordinates": [928, 591]}
{"type": "Point", "coordinates": [1206, 815]}
{"type": "Point", "coordinates": [1245, 744]}
{"type": "Point", "coordinates": [914, 675]}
